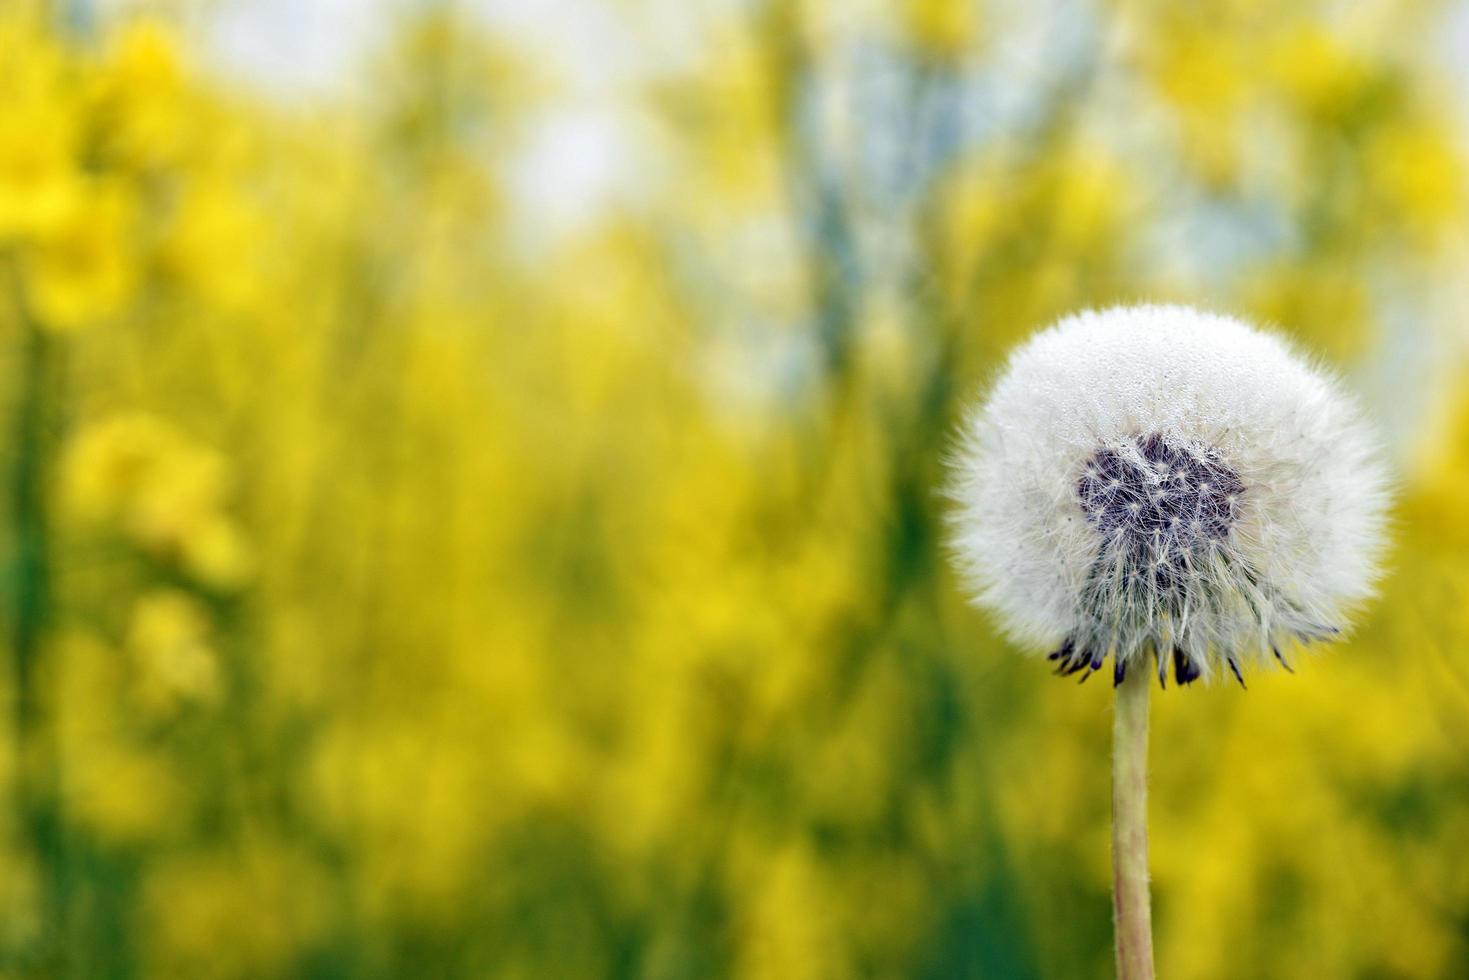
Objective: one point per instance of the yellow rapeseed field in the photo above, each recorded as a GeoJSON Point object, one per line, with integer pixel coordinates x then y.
{"type": "Point", "coordinates": [389, 591]}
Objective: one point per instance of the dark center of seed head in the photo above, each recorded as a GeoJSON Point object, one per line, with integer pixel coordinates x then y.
{"type": "Point", "coordinates": [1155, 499]}
{"type": "Point", "coordinates": [1157, 507]}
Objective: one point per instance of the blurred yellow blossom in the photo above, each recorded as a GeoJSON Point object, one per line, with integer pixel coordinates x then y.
{"type": "Point", "coordinates": [170, 644]}
{"type": "Point", "coordinates": [39, 134]}
{"type": "Point", "coordinates": [139, 97]}
{"type": "Point", "coordinates": [212, 915]}
{"type": "Point", "coordinates": [788, 931]}
{"type": "Point", "coordinates": [124, 794]}
{"type": "Point", "coordinates": [1317, 72]}
{"type": "Point", "coordinates": [1417, 174]}
{"type": "Point", "coordinates": [115, 785]}
{"type": "Point", "coordinates": [1325, 301]}
{"type": "Point", "coordinates": [39, 185]}
{"type": "Point", "coordinates": [146, 480]}
{"type": "Point", "coordinates": [941, 29]}
{"type": "Point", "coordinates": [213, 244]}
{"type": "Point", "coordinates": [408, 589]}
{"type": "Point", "coordinates": [79, 272]}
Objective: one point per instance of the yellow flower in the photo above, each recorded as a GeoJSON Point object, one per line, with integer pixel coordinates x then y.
{"type": "Point", "coordinates": [1417, 174]}
{"type": "Point", "coordinates": [83, 269]}
{"type": "Point", "coordinates": [231, 912]}
{"type": "Point", "coordinates": [1200, 69]}
{"type": "Point", "coordinates": [1316, 73]}
{"type": "Point", "coordinates": [215, 553]}
{"type": "Point", "coordinates": [1326, 302]}
{"type": "Point", "coordinates": [139, 98]}
{"type": "Point", "coordinates": [214, 242]}
{"type": "Point", "coordinates": [1091, 195]}
{"type": "Point", "coordinates": [138, 475]}
{"type": "Point", "coordinates": [169, 641]}
{"type": "Point", "coordinates": [1201, 72]}
{"type": "Point", "coordinates": [39, 182]}
{"type": "Point", "coordinates": [183, 494]}
{"type": "Point", "coordinates": [119, 787]}
{"type": "Point", "coordinates": [121, 793]}
{"type": "Point", "coordinates": [786, 927]}
{"type": "Point", "coordinates": [940, 29]}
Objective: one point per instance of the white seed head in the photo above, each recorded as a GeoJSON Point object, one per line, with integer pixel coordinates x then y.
{"type": "Point", "coordinates": [1157, 479]}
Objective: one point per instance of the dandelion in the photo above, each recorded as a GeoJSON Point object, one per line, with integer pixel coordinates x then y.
{"type": "Point", "coordinates": [1170, 490]}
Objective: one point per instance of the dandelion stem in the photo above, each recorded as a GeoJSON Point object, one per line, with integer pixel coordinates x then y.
{"type": "Point", "coordinates": [1131, 903]}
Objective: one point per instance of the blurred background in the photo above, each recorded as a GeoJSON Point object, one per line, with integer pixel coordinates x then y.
{"type": "Point", "coordinates": [469, 484]}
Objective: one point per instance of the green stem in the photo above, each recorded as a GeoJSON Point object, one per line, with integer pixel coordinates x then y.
{"type": "Point", "coordinates": [1131, 903]}
{"type": "Point", "coordinates": [37, 792]}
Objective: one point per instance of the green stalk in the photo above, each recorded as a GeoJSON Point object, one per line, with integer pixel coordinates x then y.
{"type": "Point", "coordinates": [37, 791]}
{"type": "Point", "coordinates": [1131, 903]}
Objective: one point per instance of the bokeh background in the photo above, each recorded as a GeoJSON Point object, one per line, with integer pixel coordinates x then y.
{"type": "Point", "coordinates": [469, 485]}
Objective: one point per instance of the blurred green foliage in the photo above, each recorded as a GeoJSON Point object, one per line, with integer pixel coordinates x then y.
{"type": "Point", "coordinates": [386, 597]}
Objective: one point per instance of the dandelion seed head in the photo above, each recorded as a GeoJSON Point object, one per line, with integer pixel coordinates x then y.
{"type": "Point", "coordinates": [1158, 481]}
